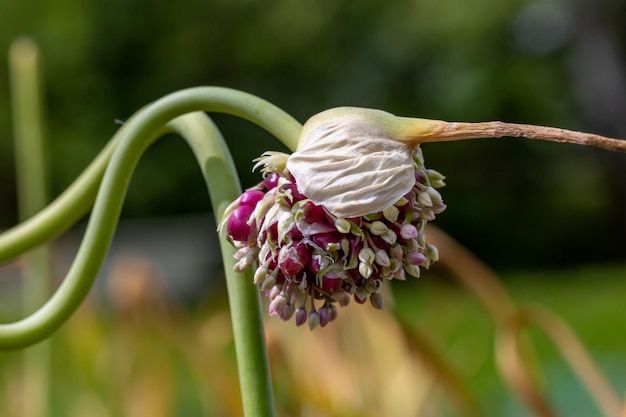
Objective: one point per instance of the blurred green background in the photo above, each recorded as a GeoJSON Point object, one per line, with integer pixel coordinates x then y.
{"type": "Point", "coordinates": [521, 206]}
{"type": "Point", "coordinates": [551, 62]}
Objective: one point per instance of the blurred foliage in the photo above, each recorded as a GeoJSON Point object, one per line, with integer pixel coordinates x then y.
{"type": "Point", "coordinates": [142, 353]}
{"type": "Point", "coordinates": [552, 62]}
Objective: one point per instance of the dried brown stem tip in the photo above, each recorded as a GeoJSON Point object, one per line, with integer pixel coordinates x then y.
{"type": "Point", "coordinates": [447, 131]}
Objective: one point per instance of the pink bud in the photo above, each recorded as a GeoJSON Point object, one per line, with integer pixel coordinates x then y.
{"type": "Point", "coordinates": [327, 240]}
{"type": "Point", "coordinates": [408, 231]}
{"type": "Point", "coordinates": [271, 181]}
{"type": "Point", "coordinates": [293, 259]}
{"type": "Point", "coordinates": [286, 313]}
{"type": "Point", "coordinates": [415, 258]}
{"type": "Point", "coordinates": [313, 213]}
{"type": "Point", "coordinates": [331, 284]}
{"type": "Point", "coordinates": [301, 316]}
{"type": "Point", "coordinates": [295, 193]}
{"type": "Point", "coordinates": [324, 314]}
{"type": "Point", "coordinates": [251, 197]}
{"type": "Point", "coordinates": [238, 228]}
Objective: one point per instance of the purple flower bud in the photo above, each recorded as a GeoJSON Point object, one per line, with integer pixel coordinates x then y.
{"type": "Point", "coordinates": [415, 258]}
{"type": "Point", "coordinates": [408, 231]}
{"type": "Point", "coordinates": [300, 316]}
{"type": "Point", "coordinates": [333, 311]}
{"type": "Point", "coordinates": [251, 198]}
{"type": "Point", "coordinates": [287, 311]}
{"type": "Point", "coordinates": [324, 314]}
{"type": "Point", "coordinates": [238, 228]}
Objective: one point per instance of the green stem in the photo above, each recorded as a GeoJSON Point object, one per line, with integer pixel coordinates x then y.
{"type": "Point", "coordinates": [76, 200]}
{"type": "Point", "coordinates": [31, 192]}
{"type": "Point", "coordinates": [135, 139]}
{"type": "Point", "coordinates": [64, 211]}
{"type": "Point", "coordinates": [221, 179]}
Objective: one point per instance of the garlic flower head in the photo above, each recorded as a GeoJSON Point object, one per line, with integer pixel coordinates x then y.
{"type": "Point", "coordinates": [358, 221]}
{"type": "Point", "coordinates": [356, 161]}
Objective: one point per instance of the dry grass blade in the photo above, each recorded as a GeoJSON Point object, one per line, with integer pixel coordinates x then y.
{"type": "Point", "coordinates": [512, 365]}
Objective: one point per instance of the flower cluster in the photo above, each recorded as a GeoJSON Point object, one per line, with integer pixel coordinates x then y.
{"type": "Point", "coordinates": [303, 253]}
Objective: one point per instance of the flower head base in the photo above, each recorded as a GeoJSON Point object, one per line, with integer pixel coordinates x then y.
{"type": "Point", "coordinates": [303, 252]}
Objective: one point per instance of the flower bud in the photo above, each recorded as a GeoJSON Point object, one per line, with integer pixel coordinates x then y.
{"type": "Point", "coordinates": [424, 199]}
{"type": "Point", "coordinates": [333, 312]}
{"type": "Point", "coordinates": [391, 213]}
{"type": "Point", "coordinates": [270, 280]}
{"type": "Point", "coordinates": [412, 270]}
{"type": "Point", "coordinates": [436, 179]}
{"type": "Point", "coordinates": [292, 259]}
{"type": "Point", "coordinates": [382, 258]}
{"type": "Point", "coordinates": [415, 258]}
{"type": "Point", "coordinates": [408, 231]}
{"type": "Point", "coordinates": [389, 237]}
{"type": "Point", "coordinates": [342, 297]}
{"type": "Point", "coordinates": [432, 252]}
{"type": "Point", "coordinates": [331, 284]}
{"type": "Point", "coordinates": [365, 269]}
{"type": "Point", "coordinates": [328, 241]}
{"type": "Point", "coordinates": [271, 181]}
{"type": "Point", "coordinates": [250, 198]}
{"type": "Point", "coordinates": [238, 228]}
{"type": "Point", "coordinates": [260, 274]}
{"type": "Point", "coordinates": [377, 228]}
{"type": "Point", "coordinates": [367, 256]}
{"type": "Point", "coordinates": [300, 316]}
{"type": "Point", "coordinates": [342, 225]}
{"type": "Point", "coordinates": [277, 304]}
{"type": "Point", "coordinates": [314, 320]}
{"type": "Point", "coordinates": [324, 314]}
{"type": "Point", "coordinates": [377, 301]}
{"type": "Point", "coordinates": [287, 312]}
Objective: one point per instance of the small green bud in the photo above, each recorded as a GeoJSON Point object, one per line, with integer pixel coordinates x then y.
{"type": "Point", "coordinates": [424, 199]}
{"type": "Point", "coordinates": [389, 236]}
{"type": "Point", "coordinates": [412, 270]}
{"type": "Point", "coordinates": [314, 320]}
{"type": "Point", "coordinates": [435, 178]}
{"type": "Point", "coordinates": [401, 202]}
{"type": "Point", "coordinates": [391, 213]}
{"type": "Point", "coordinates": [378, 228]}
{"type": "Point", "coordinates": [342, 225]}
{"type": "Point", "coordinates": [367, 256]}
{"type": "Point", "coordinates": [365, 270]}
{"type": "Point", "coordinates": [382, 258]}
